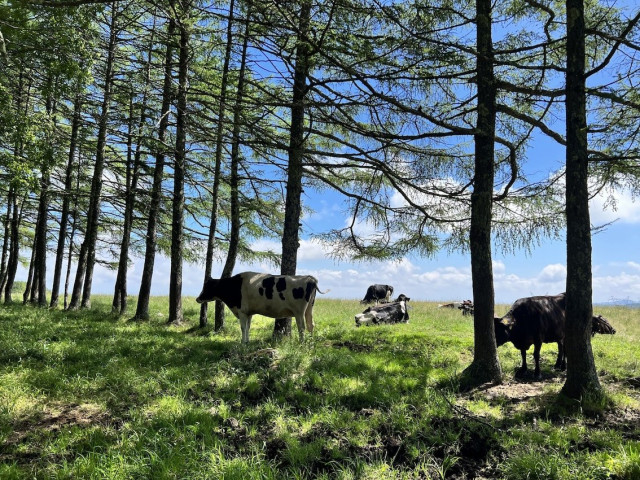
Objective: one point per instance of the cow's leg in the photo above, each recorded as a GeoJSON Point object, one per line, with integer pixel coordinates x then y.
{"type": "Point", "coordinates": [308, 317]}
{"type": "Point", "coordinates": [536, 358]}
{"type": "Point", "coordinates": [523, 368]}
{"type": "Point", "coordinates": [245, 325]}
{"type": "Point", "coordinates": [561, 362]}
{"type": "Point", "coordinates": [300, 324]}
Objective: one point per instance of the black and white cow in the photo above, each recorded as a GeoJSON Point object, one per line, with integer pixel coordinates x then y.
{"type": "Point", "coordinates": [378, 292]}
{"type": "Point", "coordinates": [277, 296]}
{"type": "Point", "coordinates": [394, 312]}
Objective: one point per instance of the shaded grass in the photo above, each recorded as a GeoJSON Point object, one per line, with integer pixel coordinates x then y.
{"type": "Point", "coordinates": [89, 395]}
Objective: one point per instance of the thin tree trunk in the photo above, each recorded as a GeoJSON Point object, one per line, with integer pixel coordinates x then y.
{"type": "Point", "coordinates": [91, 235]}
{"type": "Point", "coordinates": [218, 162]}
{"type": "Point", "coordinates": [6, 241]}
{"type": "Point", "coordinates": [142, 308]}
{"type": "Point", "coordinates": [582, 377]}
{"type": "Point", "coordinates": [133, 171]}
{"type": "Point", "coordinates": [234, 231]}
{"type": "Point", "coordinates": [64, 216]}
{"type": "Point", "coordinates": [293, 205]}
{"type": "Point", "coordinates": [28, 294]}
{"type": "Point", "coordinates": [485, 365]}
{"type": "Point", "coordinates": [177, 231]}
{"type": "Point", "coordinates": [40, 243]}
{"type": "Point", "coordinates": [119, 304]}
{"type": "Point", "coordinates": [74, 216]}
{"type": "Point", "coordinates": [14, 250]}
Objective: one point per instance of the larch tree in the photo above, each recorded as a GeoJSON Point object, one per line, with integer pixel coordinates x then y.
{"type": "Point", "coordinates": [293, 203]}
{"type": "Point", "coordinates": [151, 242]}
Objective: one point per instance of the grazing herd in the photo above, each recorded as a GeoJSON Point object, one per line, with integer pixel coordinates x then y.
{"type": "Point", "coordinates": [529, 321]}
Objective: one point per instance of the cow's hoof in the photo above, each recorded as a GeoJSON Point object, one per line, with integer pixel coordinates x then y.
{"type": "Point", "coordinates": [521, 373]}
{"type": "Point", "coordinates": [537, 376]}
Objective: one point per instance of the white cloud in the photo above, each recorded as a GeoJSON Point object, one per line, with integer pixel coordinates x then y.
{"type": "Point", "coordinates": [619, 205]}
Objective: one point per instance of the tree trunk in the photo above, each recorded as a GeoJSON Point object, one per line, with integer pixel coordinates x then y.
{"type": "Point", "coordinates": [218, 162]}
{"type": "Point", "coordinates": [234, 232]}
{"type": "Point", "coordinates": [91, 236]}
{"type": "Point", "coordinates": [40, 243]}
{"type": "Point", "coordinates": [74, 222]}
{"type": "Point", "coordinates": [485, 365]}
{"type": "Point", "coordinates": [142, 308]}
{"type": "Point", "coordinates": [86, 260]}
{"type": "Point", "coordinates": [582, 378]}
{"type": "Point", "coordinates": [177, 230]}
{"type": "Point", "coordinates": [66, 197]}
{"type": "Point", "coordinates": [29, 292]}
{"type": "Point", "coordinates": [119, 304]}
{"type": "Point", "coordinates": [293, 205]}
{"type": "Point", "coordinates": [14, 250]}
{"type": "Point", "coordinates": [6, 241]}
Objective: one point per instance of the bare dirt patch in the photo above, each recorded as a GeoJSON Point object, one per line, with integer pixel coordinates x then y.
{"type": "Point", "coordinates": [57, 417]}
{"type": "Point", "coordinates": [516, 392]}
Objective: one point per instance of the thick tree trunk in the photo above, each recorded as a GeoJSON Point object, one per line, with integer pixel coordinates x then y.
{"type": "Point", "coordinates": [177, 231]}
{"type": "Point", "coordinates": [582, 378]}
{"type": "Point", "coordinates": [66, 197]}
{"type": "Point", "coordinates": [234, 187]}
{"type": "Point", "coordinates": [293, 205]}
{"type": "Point", "coordinates": [142, 308]}
{"type": "Point", "coordinates": [485, 366]}
{"type": "Point", "coordinates": [216, 174]}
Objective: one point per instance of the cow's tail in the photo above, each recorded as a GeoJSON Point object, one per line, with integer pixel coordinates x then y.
{"type": "Point", "coordinates": [315, 285]}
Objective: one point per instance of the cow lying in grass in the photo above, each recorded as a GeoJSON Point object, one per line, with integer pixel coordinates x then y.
{"type": "Point", "coordinates": [277, 296]}
{"type": "Point", "coordinates": [393, 312]}
{"type": "Point", "coordinates": [538, 320]}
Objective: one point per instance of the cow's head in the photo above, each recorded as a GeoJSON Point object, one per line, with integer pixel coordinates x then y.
{"type": "Point", "coordinates": [208, 292]}
{"type": "Point", "coordinates": [402, 298]}
{"type": "Point", "coordinates": [502, 330]}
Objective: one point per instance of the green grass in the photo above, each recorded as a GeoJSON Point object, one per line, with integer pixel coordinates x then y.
{"type": "Point", "coordinates": [89, 395]}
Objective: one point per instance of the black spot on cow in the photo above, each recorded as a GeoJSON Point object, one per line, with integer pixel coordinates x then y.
{"type": "Point", "coordinates": [268, 284]}
{"type": "Point", "coordinates": [229, 290]}
{"type": "Point", "coordinates": [311, 287]}
{"type": "Point", "coordinates": [281, 284]}
{"type": "Point", "coordinates": [298, 293]}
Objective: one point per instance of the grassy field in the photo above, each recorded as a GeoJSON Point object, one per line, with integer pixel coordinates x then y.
{"type": "Point", "coordinates": [88, 395]}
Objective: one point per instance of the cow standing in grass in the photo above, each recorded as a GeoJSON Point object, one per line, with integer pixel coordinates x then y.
{"type": "Point", "coordinates": [538, 320]}
{"type": "Point", "coordinates": [277, 296]}
{"type": "Point", "coordinates": [377, 293]}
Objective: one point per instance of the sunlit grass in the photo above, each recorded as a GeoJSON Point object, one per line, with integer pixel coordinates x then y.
{"type": "Point", "coordinates": [89, 395]}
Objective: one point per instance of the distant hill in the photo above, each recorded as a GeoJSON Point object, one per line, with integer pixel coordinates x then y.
{"type": "Point", "coordinates": [621, 302]}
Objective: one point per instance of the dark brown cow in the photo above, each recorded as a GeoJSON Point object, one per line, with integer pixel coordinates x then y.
{"type": "Point", "coordinates": [538, 320]}
{"type": "Point", "coordinates": [534, 321]}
